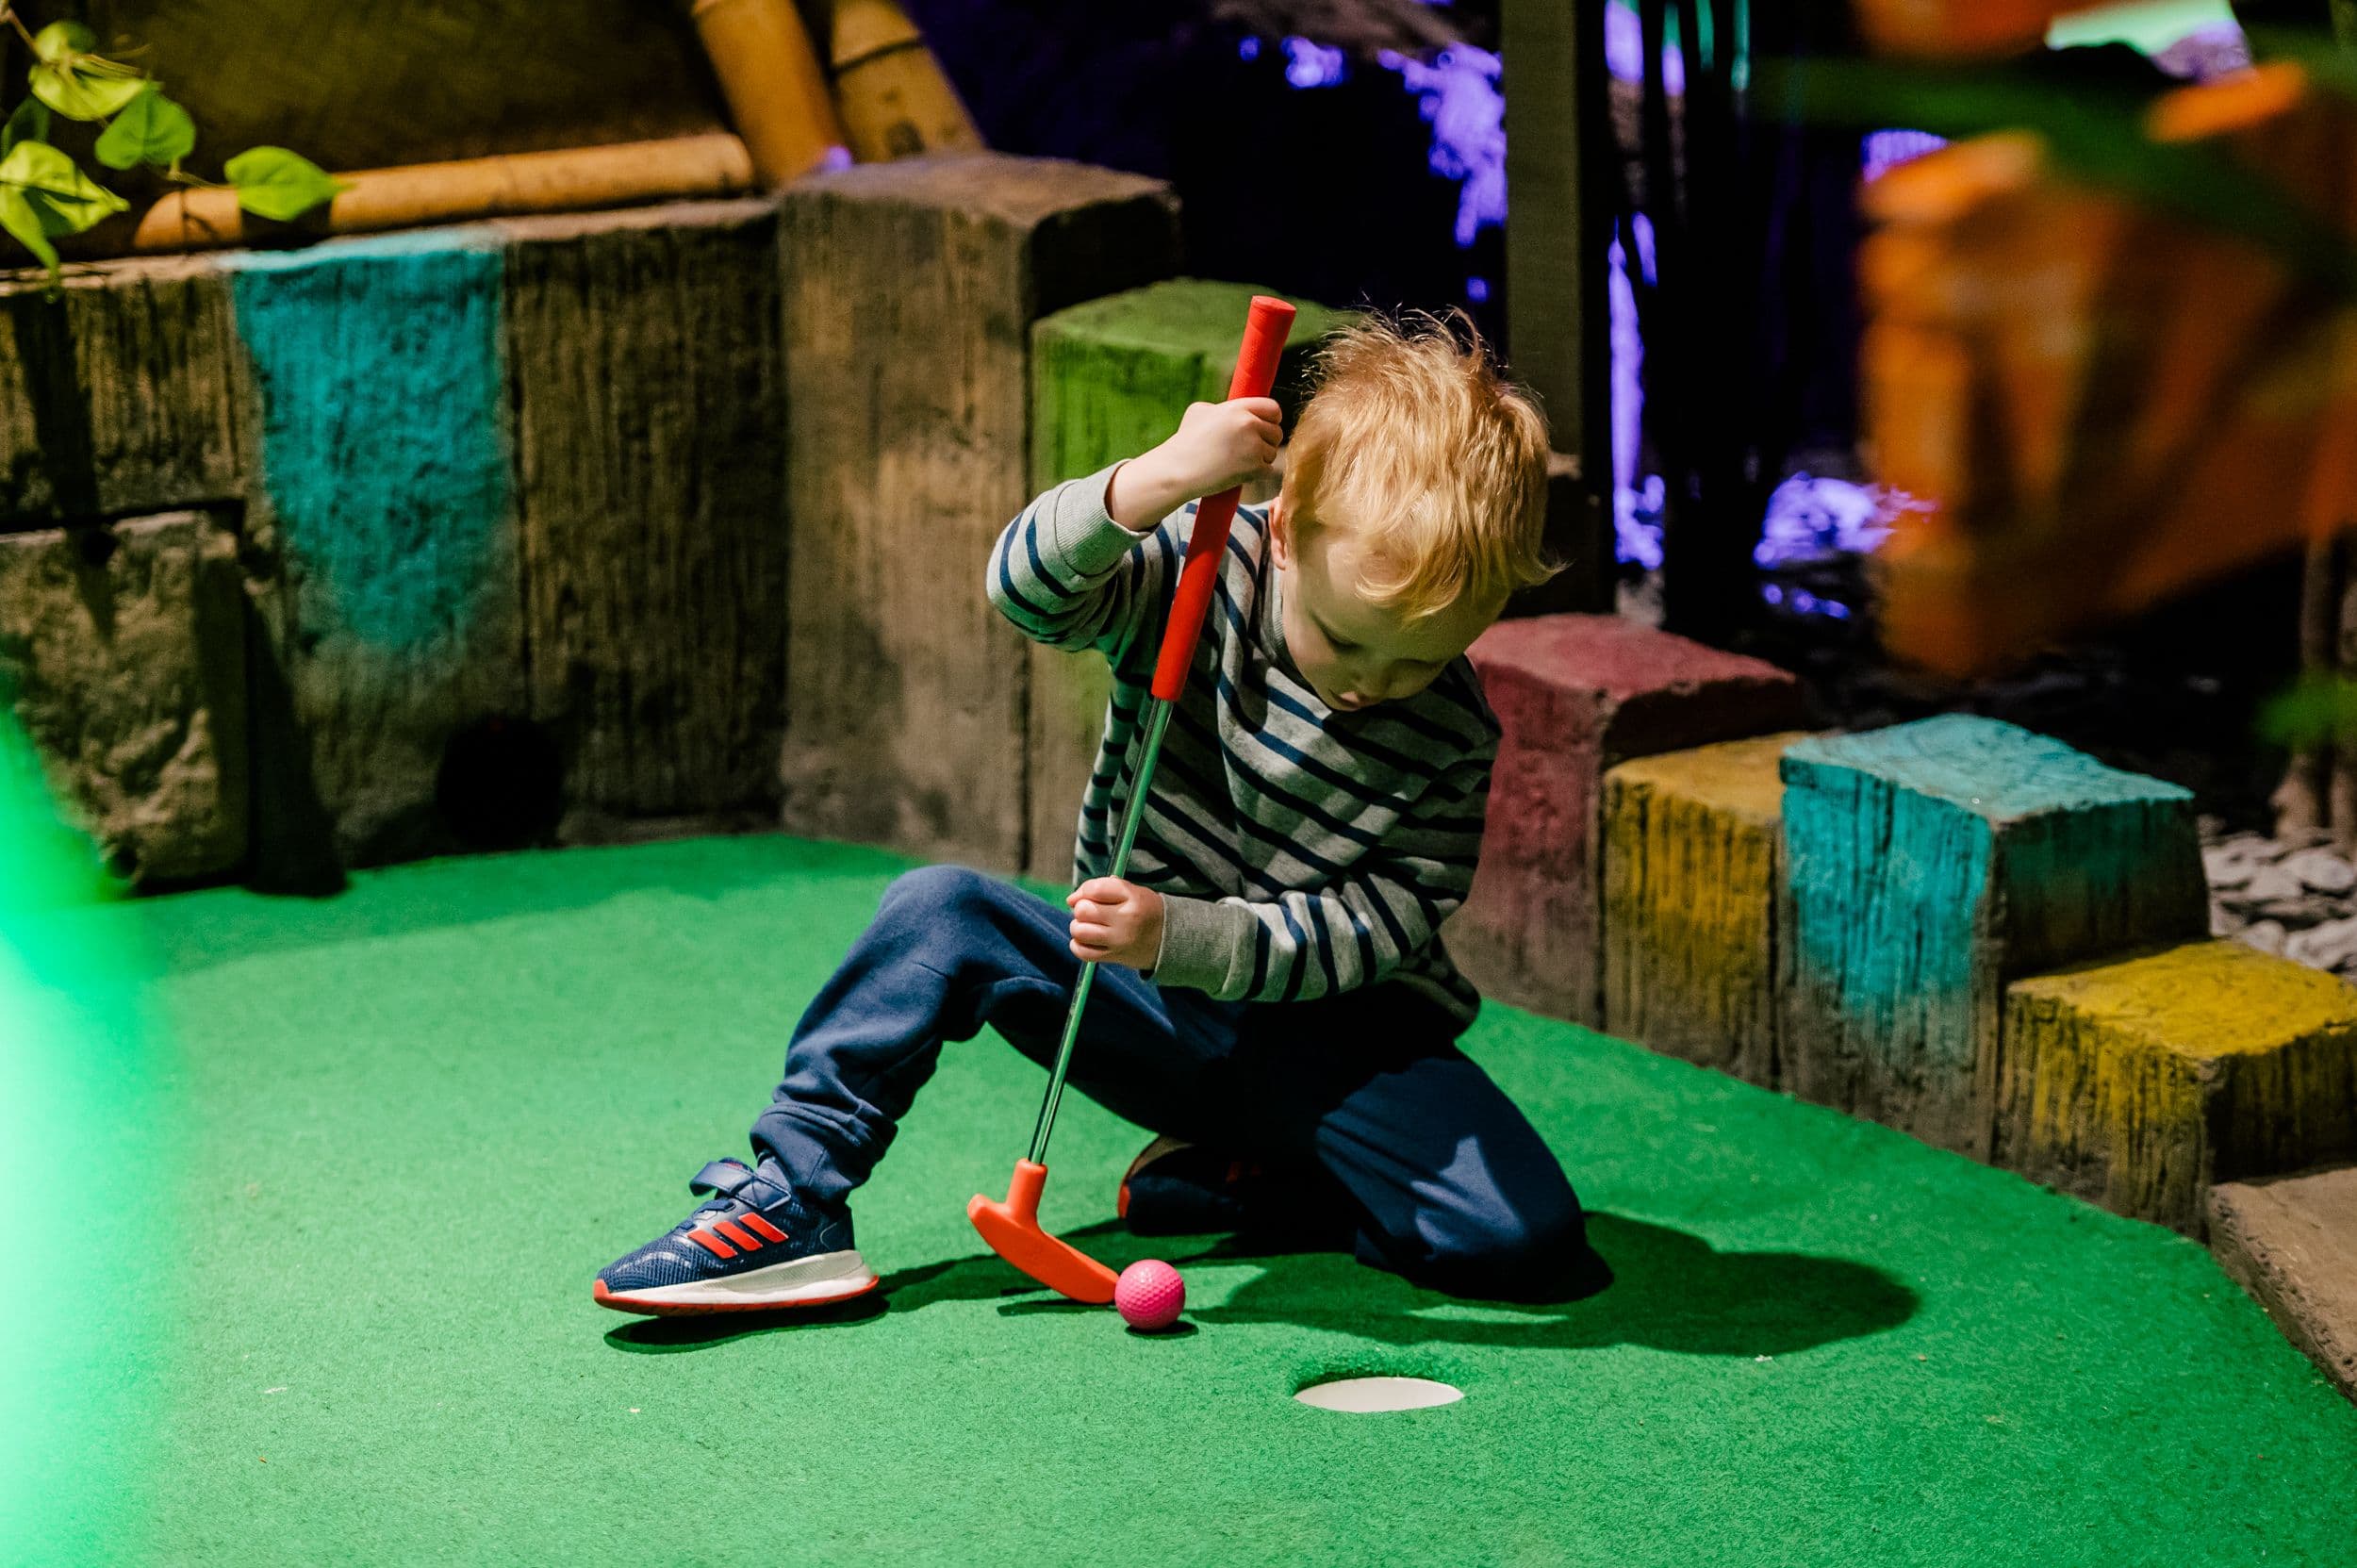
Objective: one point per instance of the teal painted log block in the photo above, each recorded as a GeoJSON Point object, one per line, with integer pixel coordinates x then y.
{"type": "Point", "coordinates": [385, 498]}
{"type": "Point", "coordinates": [1930, 863]}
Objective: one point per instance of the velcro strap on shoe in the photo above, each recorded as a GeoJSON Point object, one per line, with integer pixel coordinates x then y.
{"type": "Point", "coordinates": [731, 1179]}
{"type": "Point", "coordinates": [720, 1175]}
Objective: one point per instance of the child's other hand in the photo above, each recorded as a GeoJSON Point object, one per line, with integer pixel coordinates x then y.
{"type": "Point", "coordinates": [1116, 922]}
{"type": "Point", "coordinates": [1217, 446]}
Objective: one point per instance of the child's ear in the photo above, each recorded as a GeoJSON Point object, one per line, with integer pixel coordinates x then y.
{"type": "Point", "coordinates": [1280, 535]}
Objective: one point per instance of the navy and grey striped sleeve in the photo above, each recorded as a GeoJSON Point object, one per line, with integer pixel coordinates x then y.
{"type": "Point", "coordinates": [1071, 577]}
{"type": "Point", "coordinates": [1352, 933]}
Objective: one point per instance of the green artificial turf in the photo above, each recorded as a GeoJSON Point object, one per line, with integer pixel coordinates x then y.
{"type": "Point", "coordinates": [421, 1115]}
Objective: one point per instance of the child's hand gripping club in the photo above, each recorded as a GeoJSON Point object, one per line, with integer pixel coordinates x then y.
{"type": "Point", "coordinates": [1217, 447]}
{"type": "Point", "coordinates": [1226, 442]}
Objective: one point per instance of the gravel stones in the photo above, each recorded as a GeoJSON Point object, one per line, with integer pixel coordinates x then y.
{"type": "Point", "coordinates": [2321, 870]}
{"type": "Point", "coordinates": [2293, 896]}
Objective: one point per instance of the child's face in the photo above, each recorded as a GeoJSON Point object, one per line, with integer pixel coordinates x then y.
{"type": "Point", "coordinates": [1357, 654]}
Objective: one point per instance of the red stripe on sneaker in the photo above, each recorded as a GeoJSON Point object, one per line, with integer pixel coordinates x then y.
{"type": "Point", "coordinates": [730, 1229]}
{"type": "Point", "coordinates": [769, 1231]}
{"type": "Point", "coordinates": [712, 1243]}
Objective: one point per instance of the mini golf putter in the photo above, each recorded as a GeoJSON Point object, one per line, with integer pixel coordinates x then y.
{"type": "Point", "coordinates": [1011, 1228]}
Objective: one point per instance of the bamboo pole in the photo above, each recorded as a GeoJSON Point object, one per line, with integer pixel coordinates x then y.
{"type": "Point", "coordinates": [894, 100]}
{"type": "Point", "coordinates": [777, 94]}
{"type": "Point", "coordinates": [573, 180]}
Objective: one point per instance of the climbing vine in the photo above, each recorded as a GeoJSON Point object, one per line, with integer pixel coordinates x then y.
{"type": "Point", "coordinates": [44, 193]}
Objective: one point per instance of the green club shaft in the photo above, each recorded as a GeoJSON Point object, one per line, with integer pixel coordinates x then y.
{"type": "Point", "coordinates": [1140, 779]}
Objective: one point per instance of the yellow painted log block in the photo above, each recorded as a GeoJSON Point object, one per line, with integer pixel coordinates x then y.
{"type": "Point", "coordinates": [1691, 873]}
{"type": "Point", "coordinates": [2138, 1083]}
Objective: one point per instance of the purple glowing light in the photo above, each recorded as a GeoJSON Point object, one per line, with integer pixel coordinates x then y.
{"type": "Point", "coordinates": [1458, 93]}
{"type": "Point", "coordinates": [1636, 522]}
{"type": "Point", "coordinates": [1476, 289]}
{"type": "Point", "coordinates": [1309, 65]}
{"type": "Point", "coordinates": [1636, 498]}
{"type": "Point", "coordinates": [1625, 51]}
{"type": "Point", "coordinates": [1802, 601]}
{"type": "Point", "coordinates": [1811, 519]}
{"type": "Point", "coordinates": [1884, 150]}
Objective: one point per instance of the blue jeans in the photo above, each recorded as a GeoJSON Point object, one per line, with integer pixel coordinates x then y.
{"type": "Point", "coordinates": [1362, 1098]}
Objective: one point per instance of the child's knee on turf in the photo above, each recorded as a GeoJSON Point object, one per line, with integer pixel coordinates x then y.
{"type": "Point", "coordinates": [937, 888]}
{"type": "Point", "coordinates": [1535, 1249]}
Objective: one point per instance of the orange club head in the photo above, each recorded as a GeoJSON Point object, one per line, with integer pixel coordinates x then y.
{"type": "Point", "coordinates": [1012, 1231]}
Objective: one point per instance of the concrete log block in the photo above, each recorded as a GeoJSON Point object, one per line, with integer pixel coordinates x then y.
{"type": "Point", "coordinates": [122, 395]}
{"type": "Point", "coordinates": [645, 364]}
{"type": "Point", "coordinates": [2291, 1240]}
{"type": "Point", "coordinates": [909, 292]}
{"type": "Point", "coordinates": [122, 651]}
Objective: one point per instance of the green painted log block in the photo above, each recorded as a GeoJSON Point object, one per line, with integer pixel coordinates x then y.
{"type": "Point", "coordinates": [1931, 862]}
{"type": "Point", "coordinates": [2140, 1082]}
{"type": "Point", "coordinates": [1692, 873]}
{"type": "Point", "coordinates": [1109, 378]}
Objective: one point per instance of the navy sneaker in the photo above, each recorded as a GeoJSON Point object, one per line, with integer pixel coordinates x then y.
{"type": "Point", "coordinates": [1175, 1188]}
{"type": "Point", "coordinates": [753, 1246]}
{"type": "Point", "coordinates": [1181, 1189]}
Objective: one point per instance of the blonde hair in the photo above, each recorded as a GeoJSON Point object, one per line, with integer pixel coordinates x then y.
{"type": "Point", "coordinates": [1433, 461]}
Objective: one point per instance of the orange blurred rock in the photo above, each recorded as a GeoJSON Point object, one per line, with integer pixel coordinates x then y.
{"type": "Point", "coordinates": [1953, 28]}
{"type": "Point", "coordinates": [2095, 403]}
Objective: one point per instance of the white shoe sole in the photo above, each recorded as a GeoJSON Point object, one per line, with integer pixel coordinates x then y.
{"type": "Point", "coordinates": [804, 1283]}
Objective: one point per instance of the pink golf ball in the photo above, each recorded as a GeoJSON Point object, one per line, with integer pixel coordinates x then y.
{"type": "Point", "coordinates": [1149, 1294]}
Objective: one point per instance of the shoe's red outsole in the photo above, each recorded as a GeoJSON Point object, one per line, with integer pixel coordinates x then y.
{"type": "Point", "coordinates": [605, 1297]}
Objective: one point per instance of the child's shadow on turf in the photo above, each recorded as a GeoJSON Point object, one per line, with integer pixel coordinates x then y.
{"type": "Point", "coordinates": [1670, 1291]}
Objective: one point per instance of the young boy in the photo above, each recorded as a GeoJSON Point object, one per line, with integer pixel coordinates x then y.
{"type": "Point", "coordinates": [1276, 1001]}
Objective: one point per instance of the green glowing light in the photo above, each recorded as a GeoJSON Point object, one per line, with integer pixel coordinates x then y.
{"type": "Point", "coordinates": [85, 1177]}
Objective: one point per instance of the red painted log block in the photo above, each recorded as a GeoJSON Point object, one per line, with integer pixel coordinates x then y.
{"type": "Point", "coordinates": [1579, 694]}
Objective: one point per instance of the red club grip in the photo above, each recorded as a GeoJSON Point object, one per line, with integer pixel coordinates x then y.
{"type": "Point", "coordinates": [1264, 332]}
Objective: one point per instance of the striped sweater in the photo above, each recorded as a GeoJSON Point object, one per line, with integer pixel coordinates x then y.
{"type": "Point", "coordinates": [1299, 850]}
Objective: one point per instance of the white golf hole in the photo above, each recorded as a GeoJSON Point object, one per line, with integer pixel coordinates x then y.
{"type": "Point", "coordinates": [1365, 1395]}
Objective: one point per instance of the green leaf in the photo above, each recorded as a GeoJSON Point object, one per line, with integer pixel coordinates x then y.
{"type": "Point", "coordinates": [152, 129]}
{"type": "Point", "coordinates": [18, 217]}
{"type": "Point", "coordinates": [2319, 711]}
{"type": "Point", "coordinates": [62, 41]}
{"type": "Point", "coordinates": [76, 83]}
{"type": "Point", "coordinates": [30, 123]}
{"type": "Point", "coordinates": [275, 183]}
{"type": "Point", "coordinates": [62, 198]}
{"type": "Point", "coordinates": [81, 94]}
